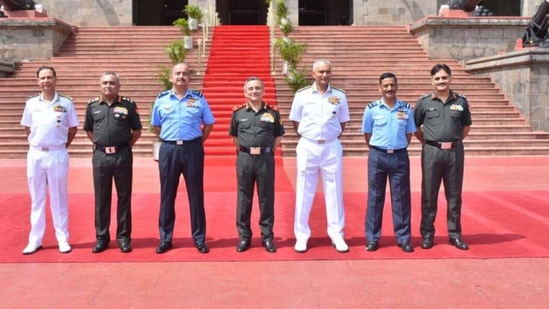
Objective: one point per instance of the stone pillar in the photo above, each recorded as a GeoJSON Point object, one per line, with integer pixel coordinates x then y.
{"type": "Point", "coordinates": [293, 11]}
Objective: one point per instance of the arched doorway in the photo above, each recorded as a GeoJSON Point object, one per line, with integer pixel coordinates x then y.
{"type": "Point", "coordinates": [242, 12]}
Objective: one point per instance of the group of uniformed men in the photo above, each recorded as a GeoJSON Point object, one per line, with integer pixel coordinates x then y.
{"type": "Point", "coordinates": [182, 119]}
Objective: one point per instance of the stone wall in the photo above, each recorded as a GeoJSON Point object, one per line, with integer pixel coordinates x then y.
{"type": "Point", "coordinates": [91, 12]}
{"type": "Point", "coordinates": [524, 77]}
{"type": "Point", "coordinates": [468, 38]}
{"type": "Point", "coordinates": [38, 39]}
{"type": "Point", "coordinates": [392, 12]}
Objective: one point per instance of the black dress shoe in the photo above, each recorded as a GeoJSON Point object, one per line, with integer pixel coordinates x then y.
{"type": "Point", "coordinates": [269, 246]}
{"type": "Point", "coordinates": [243, 245]}
{"type": "Point", "coordinates": [202, 248]}
{"type": "Point", "coordinates": [125, 247]}
{"type": "Point", "coordinates": [164, 247]}
{"type": "Point", "coordinates": [427, 243]}
{"type": "Point", "coordinates": [372, 246]}
{"type": "Point", "coordinates": [458, 243]}
{"type": "Point", "coordinates": [100, 246]}
{"type": "Point", "coordinates": [406, 247]}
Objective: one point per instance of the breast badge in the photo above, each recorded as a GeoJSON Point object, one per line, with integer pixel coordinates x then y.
{"type": "Point", "coordinates": [266, 117]}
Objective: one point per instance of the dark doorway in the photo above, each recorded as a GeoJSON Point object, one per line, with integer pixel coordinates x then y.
{"type": "Point", "coordinates": [242, 12]}
{"type": "Point", "coordinates": [157, 12]}
{"type": "Point", "coordinates": [324, 12]}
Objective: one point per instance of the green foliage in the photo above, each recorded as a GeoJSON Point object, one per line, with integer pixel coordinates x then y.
{"type": "Point", "coordinates": [183, 25]}
{"type": "Point", "coordinates": [193, 11]}
{"type": "Point", "coordinates": [290, 51]}
{"type": "Point", "coordinates": [176, 51]}
{"type": "Point", "coordinates": [281, 10]}
{"type": "Point", "coordinates": [286, 26]}
{"type": "Point", "coordinates": [164, 76]}
{"type": "Point", "coordinates": [297, 79]}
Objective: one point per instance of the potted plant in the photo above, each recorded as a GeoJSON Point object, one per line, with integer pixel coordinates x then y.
{"type": "Point", "coordinates": [177, 51]}
{"type": "Point", "coordinates": [183, 25]}
{"type": "Point", "coordinates": [297, 79]}
{"type": "Point", "coordinates": [194, 14]}
{"type": "Point", "coordinates": [290, 52]}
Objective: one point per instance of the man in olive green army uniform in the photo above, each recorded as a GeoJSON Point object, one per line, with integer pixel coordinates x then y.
{"type": "Point", "coordinates": [256, 130]}
{"type": "Point", "coordinates": [443, 120]}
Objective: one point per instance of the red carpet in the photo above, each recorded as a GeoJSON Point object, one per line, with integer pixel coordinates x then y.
{"type": "Point", "coordinates": [236, 53]}
{"type": "Point", "coordinates": [497, 224]}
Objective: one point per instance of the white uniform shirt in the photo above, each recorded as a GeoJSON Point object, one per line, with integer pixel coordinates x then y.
{"type": "Point", "coordinates": [320, 115]}
{"type": "Point", "coordinates": [49, 122]}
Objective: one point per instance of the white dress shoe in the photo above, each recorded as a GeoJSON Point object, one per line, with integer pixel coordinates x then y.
{"type": "Point", "coordinates": [64, 247]}
{"type": "Point", "coordinates": [300, 246]}
{"type": "Point", "coordinates": [340, 245]}
{"type": "Point", "coordinates": [31, 248]}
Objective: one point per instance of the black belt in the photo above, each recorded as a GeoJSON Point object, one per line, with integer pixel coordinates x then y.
{"type": "Point", "coordinates": [111, 149]}
{"type": "Point", "coordinates": [255, 150]}
{"type": "Point", "coordinates": [387, 150]}
{"type": "Point", "coordinates": [182, 142]}
{"type": "Point", "coordinates": [453, 144]}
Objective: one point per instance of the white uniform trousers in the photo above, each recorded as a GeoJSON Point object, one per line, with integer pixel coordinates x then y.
{"type": "Point", "coordinates": [327, 158]}
{"type": "Point", "coordinates": [48, 169]}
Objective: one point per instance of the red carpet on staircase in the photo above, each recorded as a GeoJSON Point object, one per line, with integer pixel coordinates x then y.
{"type": "Point", "coordinates": [236, 53]}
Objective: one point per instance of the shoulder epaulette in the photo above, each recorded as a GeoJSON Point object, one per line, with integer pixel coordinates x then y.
{"type": "Point", "coordinates": [197, 93]}
{"type": "Point", "coordinates": [406, 104]}
{"type": "Point", "coordinates": [64, 96]}
{"type": "Point", "coordinates": [424, 96]}
{"type": "Point", "coordinates": [273, 107]}
{"type": "Point", "coordinates": [163, 93]}
{"type": "Point", "coordinates": [129, 100]}
{"type": "Point", "coordinates": [307, 87]}
{"type": "Point", "coordinates": [239, 107]}
{"type": "Point", "coordinates": [93, 101]}
{"type": "Point", "coordinates": [460, 95]}
{"type": "Point", "coordinates": [338, 89]}
{"type": "Point", "coordinates": [372, 104]}
{"type": "Point", "coordinates": [32, 96]}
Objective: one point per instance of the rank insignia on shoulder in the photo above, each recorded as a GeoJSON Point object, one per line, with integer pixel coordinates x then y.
{"type": "Point", "coordinates": [338, 89]}
{"type": "Point", "coordinates": [307, 87]}
{"type": "Point", "coordinates": [273, 107]}
{"type": "Point", "coordinates": [239, 107]}
{"type": "Point", "coordinates": [64, 96]}
{"type": "Point", "coordinates": [128, 99]}
{"type": "Point", "coordinates": [427, 95]}
{"type": "Point", "coordinates": [197, 93]}
{"type": "Point", "coordinates": [459, 95]}
{"type": "Point", "coordinates": [373, 104]}
{"type": "Point", "coordinates": [406, 104]}
{"type": "Point", "coordinates": [94, 100]}
{"type": "Point", "coordinates": [163, 93]}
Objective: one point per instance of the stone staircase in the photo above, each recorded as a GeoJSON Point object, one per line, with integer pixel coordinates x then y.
{"type": "Point", "coordinates": [135, 53]}
{"type": "Point", "coordinates": [361, 54]}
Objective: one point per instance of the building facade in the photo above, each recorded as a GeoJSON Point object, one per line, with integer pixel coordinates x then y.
{"type": "Point", "coordinates": [302, 12]}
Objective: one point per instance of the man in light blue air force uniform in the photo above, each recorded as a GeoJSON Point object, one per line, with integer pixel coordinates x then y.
{"type": "Point", "coordinates": [388, 125]}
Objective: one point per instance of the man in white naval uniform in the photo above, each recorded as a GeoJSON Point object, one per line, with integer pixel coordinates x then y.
{"type": "Point", "coordinates": [50, 122]}
{"type": "Point", "coordinates": [319, 113]}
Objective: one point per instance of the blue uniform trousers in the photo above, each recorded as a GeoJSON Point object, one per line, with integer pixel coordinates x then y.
{"type": "Point", "coordinates": [396, 167]}
{"type": "Point", "coordinates": [174, 160]}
